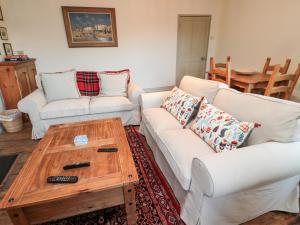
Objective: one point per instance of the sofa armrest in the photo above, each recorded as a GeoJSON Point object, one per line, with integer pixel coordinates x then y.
{"type": "Point", "coordinates": [134, 92]}
{"type": "Point", "coordinates": [248, 167]}
{"type": "Point", "coordinates": [32, 104]}
{"type": "Point", "coordinates": [153, 100]}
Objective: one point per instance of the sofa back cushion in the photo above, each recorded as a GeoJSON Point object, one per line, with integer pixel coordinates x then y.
{"type": "Point", "coordinates": [278, 118]}
{"type": "Point", "coordinates": [200, 87]}
{"type": "Point", "coordinates": [39, 81]}
{"type": "Point", "coordinates": [114, 83]}
{"type": "Point", "coordinates": [88, 83]}
{"type": "Point", "coordinates": [60, 86]}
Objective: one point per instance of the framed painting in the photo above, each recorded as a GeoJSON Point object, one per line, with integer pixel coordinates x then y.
{"type": "Point", "coordinates": [90, 27]}
{"type": "Point", "coordinates": [3, 33]}
{"type": "Point", "coordinates": [1, 14]}
{"type": "Point", "coordinates": [8, 49]}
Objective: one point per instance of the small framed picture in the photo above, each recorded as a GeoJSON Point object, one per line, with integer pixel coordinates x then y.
{"type": "Point", "coordinates": [8, 49]}
{"type": "Point", "coordinates": [1, 15]}
{"type": "Point", "coordinates": [3, 33]}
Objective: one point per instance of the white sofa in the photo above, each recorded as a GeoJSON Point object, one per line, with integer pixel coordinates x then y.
{"type": "Point", "coordinates": [232, 187]}
{"type": "Point", "coordinates": [43, 114]}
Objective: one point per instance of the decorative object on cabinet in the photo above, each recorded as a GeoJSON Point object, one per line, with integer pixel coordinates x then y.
{"type": "Point", "coordinates": [3, 33]}
{"type": "Point", "coordinates": [90, 27]}
{"type": "Point", "coordinates": [8, 48]}
{"type": "Point", "coordinates": [17, 80]}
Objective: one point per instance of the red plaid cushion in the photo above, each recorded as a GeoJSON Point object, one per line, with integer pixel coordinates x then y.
{"type": "Point", "coordinates": [88, 83]}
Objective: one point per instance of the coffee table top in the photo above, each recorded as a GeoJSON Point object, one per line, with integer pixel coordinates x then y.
{"type": "Point", "coordinates": [107, 170]}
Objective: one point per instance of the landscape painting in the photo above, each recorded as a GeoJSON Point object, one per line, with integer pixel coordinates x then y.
{"type": "Point", "coordinates": [90, 27]}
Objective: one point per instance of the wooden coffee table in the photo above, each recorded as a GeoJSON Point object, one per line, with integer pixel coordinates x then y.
{"type": "Point", "coordinates": [109, 181]}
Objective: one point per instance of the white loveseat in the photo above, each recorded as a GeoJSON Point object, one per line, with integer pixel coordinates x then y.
{"type": "Point", "coordinates": [231, 187]}
{"type": "Point", "coordinates": [43, 114]}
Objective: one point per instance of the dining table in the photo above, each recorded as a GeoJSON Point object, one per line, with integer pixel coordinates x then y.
{"type": "Point", "coordinates": [247, 82]}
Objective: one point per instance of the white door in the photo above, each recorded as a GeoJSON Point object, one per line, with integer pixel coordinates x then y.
{"type": "Point", "coordinates": [192, 45]}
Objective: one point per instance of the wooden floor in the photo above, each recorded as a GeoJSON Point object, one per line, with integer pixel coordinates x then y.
{"type": "Point", "coordinates": [21, 143]}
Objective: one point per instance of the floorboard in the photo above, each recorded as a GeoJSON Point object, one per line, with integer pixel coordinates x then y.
{"type": "Point", "coordinates": [21, 143]}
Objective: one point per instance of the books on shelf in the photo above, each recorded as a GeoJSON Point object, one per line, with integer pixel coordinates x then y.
{"type": "Point", "coordinates": [16, 58]}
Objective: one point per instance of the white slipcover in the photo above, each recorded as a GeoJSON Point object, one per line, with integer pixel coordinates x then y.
{"type": "Point", "coordinates": [64, 108]}
{"type": "Point", "coordinates": [225, 188]}
{"type": "Point", "coordinates": [278, 118]}
{"type": "Point", "coordinates": [155, 116]}
{"type": "Point", "coordinates": [43, 114]}
{"type": "Point", "coordinates": [181, 146]}
{"type": "Point", "coordinates": [110, 104]}
{"type": "Point", "coordinates": [200, 88]}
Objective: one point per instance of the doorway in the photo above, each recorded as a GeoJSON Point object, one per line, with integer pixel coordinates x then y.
{"type": "Point", "coordinates": [192, 45]}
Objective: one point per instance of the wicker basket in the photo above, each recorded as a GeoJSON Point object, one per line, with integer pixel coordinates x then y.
{"type": "Point", "coordinates": [14, 125]}
{"type": "Point", "coordinates": [12, 120]}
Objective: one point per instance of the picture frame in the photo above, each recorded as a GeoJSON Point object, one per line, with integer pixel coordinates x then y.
{"type": "Point", "coordinates": [1, 14]}
{"type": "Point", "coordinates": [3, 33]}
{"type": "Point", "coordinates": [90, 27]}
{"type": "Point", "coordinates": [8, 49]}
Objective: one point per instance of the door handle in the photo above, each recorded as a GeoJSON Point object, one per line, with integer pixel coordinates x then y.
{"type": "Point", "coordinates": [203, 58]}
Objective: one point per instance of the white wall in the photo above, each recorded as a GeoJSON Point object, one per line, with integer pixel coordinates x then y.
{"type": "Point", "coordinates": [252, 30]}
{"type": "Point", "coordinates": [147, 35]}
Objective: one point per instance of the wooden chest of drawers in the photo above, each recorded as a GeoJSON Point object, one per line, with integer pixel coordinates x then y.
{"type": "Point", "coordinates": [17, 80]}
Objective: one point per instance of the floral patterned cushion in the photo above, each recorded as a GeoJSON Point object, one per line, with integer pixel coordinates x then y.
{"type": "Point", "coordinates": [181, 105]}
{"type": "Point", "coordinates": [220, 130]}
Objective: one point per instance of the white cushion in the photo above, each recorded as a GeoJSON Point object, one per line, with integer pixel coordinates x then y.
{"type": "Point", "coordinates": [38, 77]}
{"type": "Point", "coordinates": [200, 87]}
{"type": "Point", "coordinates": [278, 118]}
{"type": "Point", "coordinates": [113, 85]}
{"type": "Point", "coordinates": [158, 119]}
{"type": "Point", "coordinates": [181, 146]}
{"type": "Point", "coordinates": [65, 108]}
{"type": "Point", "coordinates": [110, 104]}
{"type": "Point", "coordinates": [60, 86]}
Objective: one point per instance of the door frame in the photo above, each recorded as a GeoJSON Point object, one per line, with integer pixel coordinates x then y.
{"type": "Point", "coordinates": [208, 37]}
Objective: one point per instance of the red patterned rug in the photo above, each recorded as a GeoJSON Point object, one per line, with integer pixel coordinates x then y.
{"type": "Point", "coordinates": [155, 201]}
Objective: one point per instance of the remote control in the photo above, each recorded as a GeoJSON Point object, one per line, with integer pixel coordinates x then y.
{"type": "Point", "coordinates": [76, 165]}
{"type": "Point", "coordinates": [62, 179]}
{"type": "Point", "coordinates": [107, 150]}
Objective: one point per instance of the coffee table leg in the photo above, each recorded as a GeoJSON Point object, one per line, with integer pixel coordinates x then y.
{"type": "Point", "coordinates": [130, 204]}
{"type": "Point", "coordinates": [18, 217]}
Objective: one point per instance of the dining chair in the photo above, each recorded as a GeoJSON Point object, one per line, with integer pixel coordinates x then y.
{"type": "Point", "coordinates": [270, 68]}
{"type": "Point", "coordinates": [282, 85]}
{"type": "Point", "coordinates": [220, 72]}
{"type": "Point", "coordinates": [223, 65]}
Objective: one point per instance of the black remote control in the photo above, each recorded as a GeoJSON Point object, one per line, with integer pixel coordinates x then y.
{"type": "Point", "coordinates": [62, 179]}
{"type": "Point", "coordinates": [76, 165]}
{"type": "Point", "coordinates": [107, 150]}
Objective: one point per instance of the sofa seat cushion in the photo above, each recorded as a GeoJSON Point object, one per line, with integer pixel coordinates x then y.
{"type": "Point", "coordinates": [158, 119]}
{"type": "Point", "coordinates": [110, 104]}
{"type": "Point", "coordinates": [278, 118]}
{"type": "Point", "coordinates": [180, 147]}
{"type": "Point", "coordinates": [65, 108]}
